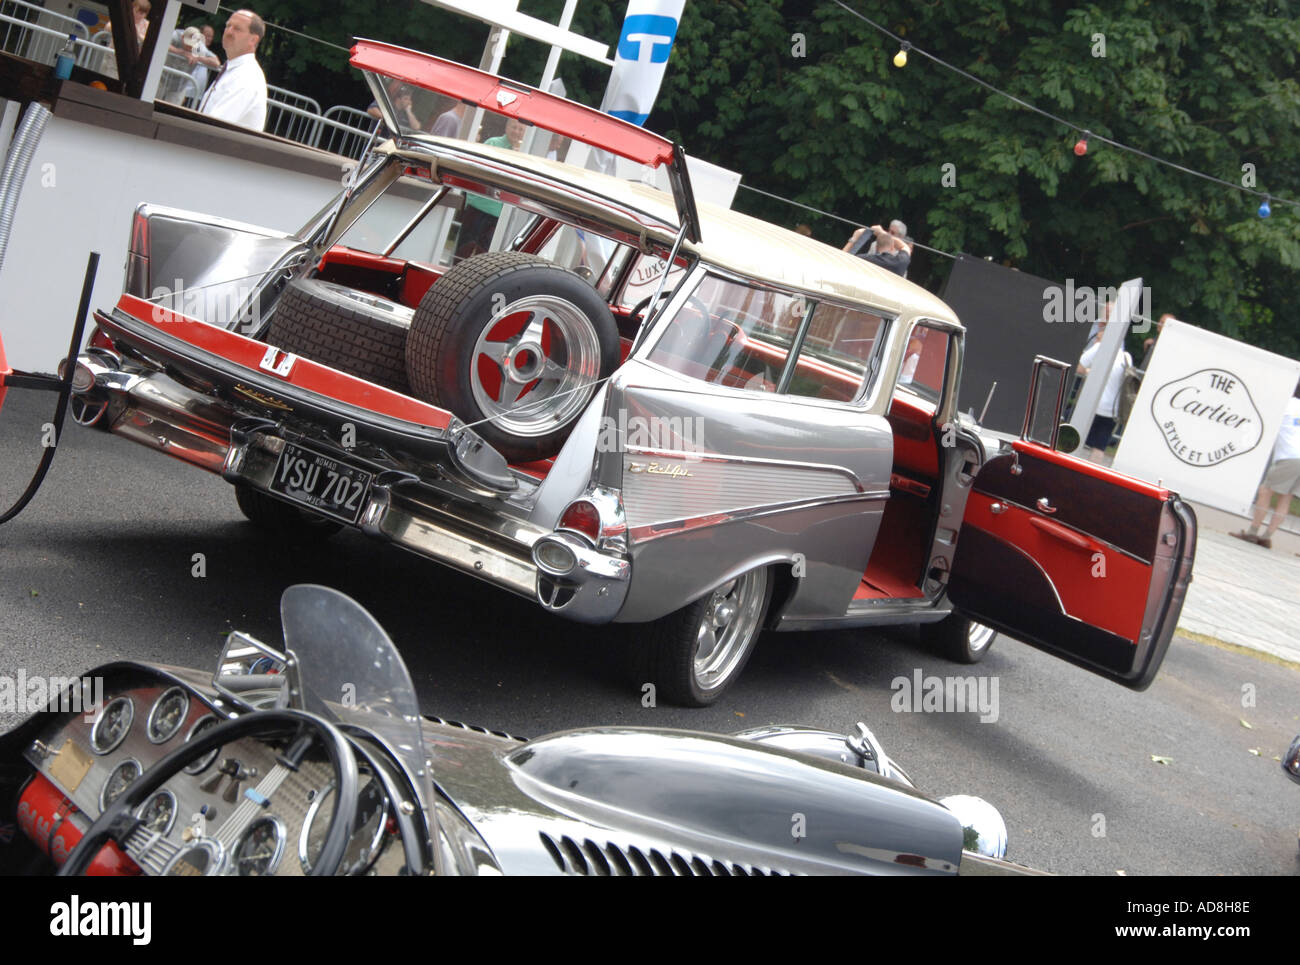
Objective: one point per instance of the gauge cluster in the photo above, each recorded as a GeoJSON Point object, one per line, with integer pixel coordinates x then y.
{"type": "Point", "coordinates": [236, 810]}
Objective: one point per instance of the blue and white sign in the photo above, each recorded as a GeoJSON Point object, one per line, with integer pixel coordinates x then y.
{"type": "Point", "coordinates": [649, 29]}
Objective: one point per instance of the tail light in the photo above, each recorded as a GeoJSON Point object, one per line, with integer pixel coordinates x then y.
{"type": "Point", "coordinates": [583, 517]}
{"type": "Point", "coordinates": [137, 257]}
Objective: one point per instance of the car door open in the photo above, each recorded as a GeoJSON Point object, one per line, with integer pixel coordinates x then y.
{"type": "Point", "coordinates": [1070, 557]}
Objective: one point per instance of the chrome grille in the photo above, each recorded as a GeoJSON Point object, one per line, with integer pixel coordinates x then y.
{"type": "Point", "coordinates": [589, 859]}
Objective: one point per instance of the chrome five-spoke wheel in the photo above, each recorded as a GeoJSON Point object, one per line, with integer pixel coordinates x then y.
{"type": "Point", "coordinates": [696, 653]}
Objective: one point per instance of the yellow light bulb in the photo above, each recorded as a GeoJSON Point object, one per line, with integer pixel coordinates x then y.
{"type": "Point", "coordinates": [900, 59]}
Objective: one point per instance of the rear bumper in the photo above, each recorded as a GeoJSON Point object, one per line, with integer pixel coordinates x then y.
{"type": "Point", "coordinates": [434, 490]}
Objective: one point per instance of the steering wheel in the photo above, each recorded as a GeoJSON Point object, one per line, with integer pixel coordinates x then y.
{"type": "Point", "coordinates": [118, 819]}
{"type": "Point", "coordinates": [644, 303]}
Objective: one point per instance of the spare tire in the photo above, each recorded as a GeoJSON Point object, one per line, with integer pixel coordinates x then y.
{"type": "Point", "coordinates": [349, 330]}
{"type": "Point", "coordinates": [514, 345]}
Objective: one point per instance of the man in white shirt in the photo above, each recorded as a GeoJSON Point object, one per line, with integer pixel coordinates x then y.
{"type": "Point", "coordinates": [238, 95]}
{"type": "Point", "coordinates": [1282, 478]}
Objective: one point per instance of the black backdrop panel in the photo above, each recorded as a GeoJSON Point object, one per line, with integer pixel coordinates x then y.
{"type": "Point", "coordinates": [1002, 310]}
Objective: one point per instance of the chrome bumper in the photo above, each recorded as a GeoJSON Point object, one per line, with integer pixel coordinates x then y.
{"type": "Point", "coordinates": [160, 413]}
{"type": "Point", "coordinates": [590, 589]}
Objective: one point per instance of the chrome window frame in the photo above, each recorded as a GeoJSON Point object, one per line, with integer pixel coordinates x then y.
{"type": "Point", "coordinates": [867, 393]}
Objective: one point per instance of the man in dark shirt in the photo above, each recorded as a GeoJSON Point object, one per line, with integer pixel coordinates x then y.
{"type": "Point", "coordinates": [891, 253]}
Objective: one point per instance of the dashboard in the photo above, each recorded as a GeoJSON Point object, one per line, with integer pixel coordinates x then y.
{"type": "Point", "coordinates": [238, 809]}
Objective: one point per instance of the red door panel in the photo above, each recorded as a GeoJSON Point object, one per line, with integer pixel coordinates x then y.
{"type": "Point", "coordinates": [1085, 563]}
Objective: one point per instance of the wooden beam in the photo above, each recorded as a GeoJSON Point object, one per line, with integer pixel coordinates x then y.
{"type": "Point", "coordinates": [125, 46]}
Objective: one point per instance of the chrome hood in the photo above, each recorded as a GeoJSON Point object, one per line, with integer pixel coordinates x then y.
{"type": "Point", "coordinates": [640, 801]}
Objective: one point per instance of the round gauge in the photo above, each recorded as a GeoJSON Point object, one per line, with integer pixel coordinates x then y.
{"type": "Point", "coordinates": [112, 725]}
{"type": "Point", "coordinates": [159, 812]}
{"type": "Point", "coordinates": [119, 779]}
{"type": "Point", "coordinates": [367, 830]}
{"type": "Point", "coordinates": [204, 762]}
{"type": "Point", "coordinates": [201, 858]}
{"type": "Point", "coordinates": [167, 715]}
{"type": "Point", "coordinates": [260, 848]}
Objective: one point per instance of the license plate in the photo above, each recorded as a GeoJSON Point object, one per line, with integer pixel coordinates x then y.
{"type": "Point", "coordinates": [324, 484]}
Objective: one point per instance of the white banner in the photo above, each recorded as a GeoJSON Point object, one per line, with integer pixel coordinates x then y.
{"type": "Point", "coordinates": [649, 29]}
{"type": "Point", "coordinates": [1206, 416]}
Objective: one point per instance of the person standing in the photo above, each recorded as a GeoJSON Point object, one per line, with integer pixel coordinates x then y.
{"type": "Point", "coordinates": [1282, 478]}
{"type": "Point", "coordinates": [140, 18]}
{"type": "Point", "coordinates": [479, 219]}
{"type": "Point", "coordinates": [199, 59]}
{"type": "Point", "coordinates": [238, 94]}
{"type": "Point", "coordinates": [1103, 423]}
{"type": "Point", "coordinates": [892, 253]}
{"type": "Point", "coordinates": [447, 124]}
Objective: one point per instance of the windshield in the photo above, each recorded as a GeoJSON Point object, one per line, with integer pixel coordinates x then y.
{"type": "Point", "coordinates": [352, 674]}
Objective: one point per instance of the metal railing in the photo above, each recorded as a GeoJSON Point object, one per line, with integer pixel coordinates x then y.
{"type": "Point", "coordinates": [292, 115]}
{"type": "Point", "coordinates": [176, 86]}
{"type": "Point", "coordinates": [351, 138]}
{"type": "Point", "coordinates": [33, 32]}
{"type": "Point", "coordinates": [340, 138]}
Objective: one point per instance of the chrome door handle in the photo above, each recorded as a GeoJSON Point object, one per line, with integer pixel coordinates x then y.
{"type": "Point", "coordinates": [997, 508]}
{"type": "Point", "coordinates": [1045, 506]}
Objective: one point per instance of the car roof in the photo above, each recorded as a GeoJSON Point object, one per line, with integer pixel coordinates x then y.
{"type": "Point", "coordinates": [730, 240]}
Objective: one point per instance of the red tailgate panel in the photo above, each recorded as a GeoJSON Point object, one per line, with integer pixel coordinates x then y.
{"type": "Point", "coordinates": [304, 373]}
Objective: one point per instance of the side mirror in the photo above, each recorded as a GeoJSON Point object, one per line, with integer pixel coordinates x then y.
{"type": "Point", "coordinates": [1067, 438]}
{"type": "Point", "coordinates": [1291, 761]}
{"type": "Point", "coordinates": [251, 674]}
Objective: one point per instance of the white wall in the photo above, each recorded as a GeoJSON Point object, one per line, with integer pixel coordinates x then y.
{"type": "Point", "coordinates": [82, 188]}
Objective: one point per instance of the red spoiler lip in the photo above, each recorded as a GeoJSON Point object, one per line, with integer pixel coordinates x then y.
{"type": "Point", "coordinates": [266, 361]}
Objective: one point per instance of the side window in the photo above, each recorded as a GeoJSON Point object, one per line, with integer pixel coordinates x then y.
{"type": "Point", "coordinates": [925, 362]}
{"type": "Point", "coordinates": [835, 353]}
{"type": "Point", "coordinates": [731, 334]}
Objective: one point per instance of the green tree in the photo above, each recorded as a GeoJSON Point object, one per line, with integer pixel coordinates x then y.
{"type": "Point", "coordinates": [802, 98]}
{"type": "Point", "coordinates": [1208, 85]}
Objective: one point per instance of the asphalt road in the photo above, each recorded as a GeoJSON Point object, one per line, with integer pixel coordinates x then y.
{"type": "Point", "coordinates": [101, 566]}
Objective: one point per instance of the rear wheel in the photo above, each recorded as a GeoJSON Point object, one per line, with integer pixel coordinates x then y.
{"type": "Point", "coordinates": [693, 656]}
{"type": "Point", "coordinates": [281, 520]}
{"type": "Point", "coordinates": [959, 638]}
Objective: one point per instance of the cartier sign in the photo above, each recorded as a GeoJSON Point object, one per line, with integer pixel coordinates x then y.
{"type": "Point", "coordinates": [1207, 417]}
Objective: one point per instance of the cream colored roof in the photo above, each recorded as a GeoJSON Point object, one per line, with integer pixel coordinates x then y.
{"type": "Point", "coordinates": [730, 240]}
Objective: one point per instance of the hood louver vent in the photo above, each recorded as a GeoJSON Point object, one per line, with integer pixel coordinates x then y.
{"type": "Point", "coordinates": [471, 727]}
{"type": "Point", "coordinates": [587, 858]}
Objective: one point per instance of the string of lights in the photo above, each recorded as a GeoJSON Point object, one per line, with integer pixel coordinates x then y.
{"type": "Point", "coordinates": [1086, 136]}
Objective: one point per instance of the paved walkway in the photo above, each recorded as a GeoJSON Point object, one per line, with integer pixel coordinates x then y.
{"type": "Point", "coordinates": [1241, 593]}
